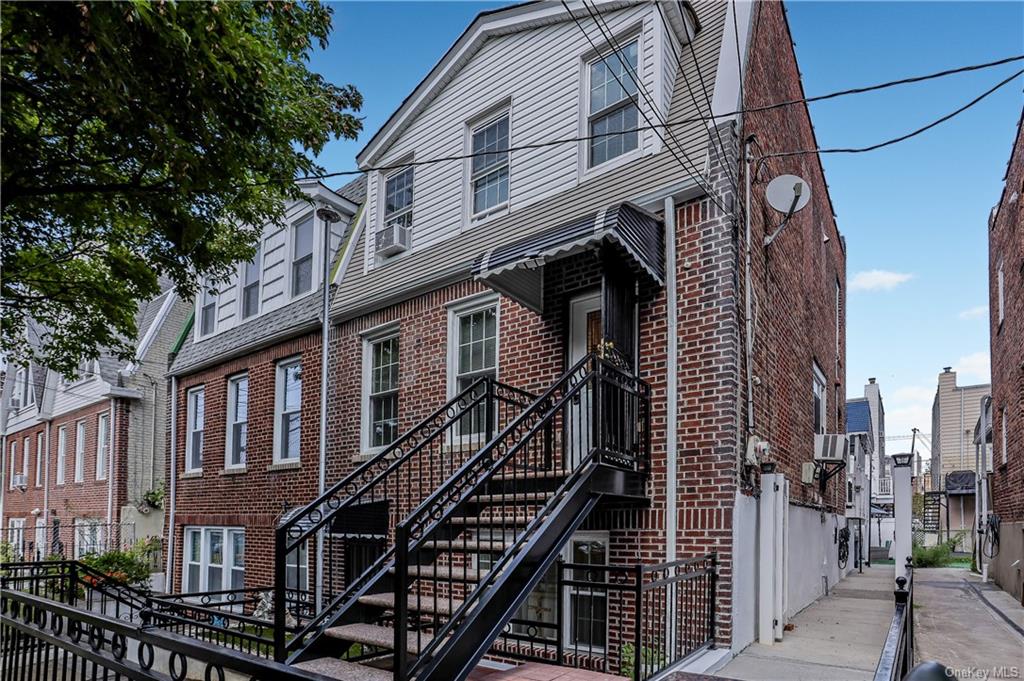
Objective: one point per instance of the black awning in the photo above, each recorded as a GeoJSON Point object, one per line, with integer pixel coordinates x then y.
{"type": "Point", "coordinates": [516, 269]}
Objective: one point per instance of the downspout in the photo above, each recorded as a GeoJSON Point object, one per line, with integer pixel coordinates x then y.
{"type": "Point", "coordinates": [748, 303]}
{"type": "Point", "coordinates": [110, 462]}
{"type": "Point", "coordinates": [981, 500]}
{"type": "Point", "coordinates": [671, 381]}
{"type": "Point", "coordinates": [46, 474]}
{"type": "Point", "coordinates": [169, 575]}
{"type": "Point", "coordinates": [3, 476]}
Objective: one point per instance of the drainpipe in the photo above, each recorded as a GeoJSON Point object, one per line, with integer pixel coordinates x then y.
{"type": "Point", "coordinates": [746, 294]}
{"type": "Point", "coordinates": [46, 474]}
{"type": "Point", "coordinates": [671, 394]}
{"type": "Point", "coordinates": [111, 426]}
{"type": "Point", "coordinates": [981, 495]}
{"type": "Point", "coordinates": [6, 481]}
{"type": "Point", "coordinates": [169, 574]}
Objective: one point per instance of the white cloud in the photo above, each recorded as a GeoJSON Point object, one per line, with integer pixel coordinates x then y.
{"type": "Point", "coordinates": [975, 365]}
{"type": "Point", "coordinates": [907, 407]}
{"type": "Point", "coordinates": [878, 280]}
{"type": "Point", "coordinates": [975, 312]}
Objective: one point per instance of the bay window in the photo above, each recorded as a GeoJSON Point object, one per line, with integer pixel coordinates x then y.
{"type": "Point", "coordinates": [612, 113]}
{"type": "Point", "coordinates": [288, 424]}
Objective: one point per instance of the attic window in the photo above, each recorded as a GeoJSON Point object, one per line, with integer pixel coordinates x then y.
{"type": "Point", "coordinates": [612, 110]}
{"type": "Point", "coordinates": [208, 311]}
{"type": "Point", "coordinates": [22, 395]}
{"type": "Point", "coordinates": [302, 256]}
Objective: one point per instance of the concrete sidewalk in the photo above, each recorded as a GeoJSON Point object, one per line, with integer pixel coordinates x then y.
{"type": "Point", "coordinates": [957, 627]}
{"type": "Point", "coordinates": [836, 638]}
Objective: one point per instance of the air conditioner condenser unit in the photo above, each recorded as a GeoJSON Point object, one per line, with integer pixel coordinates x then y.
{"type": "Point", "coordinates": [831, 447]}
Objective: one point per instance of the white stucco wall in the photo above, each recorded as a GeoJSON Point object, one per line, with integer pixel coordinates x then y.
{"type": "Point", "coordinates": [813, 554]}
{"type": "Point", "coordinates": [744, 572]}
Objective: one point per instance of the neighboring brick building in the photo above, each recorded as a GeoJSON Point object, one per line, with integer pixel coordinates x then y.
{"type": "Point", "coordinates": [1006, 311]}
{"type": "Point", "coordinates": [89, 448]}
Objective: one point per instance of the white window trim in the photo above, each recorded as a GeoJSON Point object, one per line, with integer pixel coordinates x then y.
{"type": "Point", "coordinates": [19, 546]}
{"type": "Point", "coordinates": [13, 454]}
{"type": "Point", "coordinates": [458, 309]}
{"type": "Point", "coordinates": [623, 38]}
{"type": "Point", "coordinates": [819, 377]}
{"type": "Point", "coordinates": [80, 435]}
{"type": "Point", "coordinates": [492, 114]}
{"type": "Point", "coordinates": [189, 419]}
{"type": "Point", "coordinates": [584, 535]}
{"type": "Point", "coordinates": [62, 453]}
{"type": "Point", "coordinates": [26, 457]}
{"type": "Point", "coordinates": [204, 557]}
{"type": "Point", "coordinates": [382, 216]}
{"type": "Point", "coordinates": [289, 256]}
{"type": "Point", "coordinates": [39, 459]}
{"type": "Point", "coordinates": [101, 470]}
{"type": "Point", "coordinates": [299, 587]}
{"type": "Point", "coordinates": [279, 407]}
{"type": "Point", "coordinates": [261, 253]}
{"type": "Point", "coordinates": [369, 338]}
{"type": "Point", "coordinates": [229, 436]}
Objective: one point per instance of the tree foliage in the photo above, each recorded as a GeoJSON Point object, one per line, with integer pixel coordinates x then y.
{"type": "Point", "coordinates": [145, 140]}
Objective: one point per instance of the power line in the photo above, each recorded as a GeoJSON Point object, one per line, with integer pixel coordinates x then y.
{"type": "Point", "coordinates": [901, 138]}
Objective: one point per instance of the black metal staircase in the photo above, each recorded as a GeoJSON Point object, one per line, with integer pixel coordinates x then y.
{"type": "Point", "coordinates": [467, 556]}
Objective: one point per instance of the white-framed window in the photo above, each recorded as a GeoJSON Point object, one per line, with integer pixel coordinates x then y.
{"type": "Point", "coordinates": [587, 624]}
{"type": "Point", "coordinates": [820, 400]}
{"type": "Point", "coordinates": [288, 424]}
{"type": "Point", "coordinates": [398, 197]}
{"type": "Point", "coordinates": [207, 308]}
{"type": "Point", "coordinates": [40, 451]}
{"type": "Point", "coordinates": [89, 535]}
{"type": "Point", "coordinates": [16, 536]}
{"type": "Point", "coordinates": [25, 456]}
{"type": "Point", "coordinates": [1003, 438]}
{"type": "Point", "coordinates": [21, 395]}
{"type": "Point", "coordinates": [472, 354]}
{"type": "Point", "coordinates": [80, 451]}
{"type": "Point", "coordinates": [102, 445]}
{"type": "Point", "coordinates": [302, 256]}
{"type": "Point", "coordinates": [14, 464]}
{"type": "Point", "coordinates": [1001, 292]}
{"type": "Point", "coordinates": [296, 568]}
{"type": "Point", "coordinates": [489, 171]}
{"type": "Point", "coordinates": [612, 110]}
{"type": "Point", "coordinates": [238, 422]}
{"type": "Point", "coordinates": [195, 428]}
{"type": "Point", "coordinates": [214, 559]}
{"type": "Point", "coordinates": [41, 549]}
{"type": "Point", "coordinates": [62, 452]}
{"type": "Point", "coordinates": [249, 283]}
{"type": "Point", "coordinates": [86, 369]}
{"type": "Point", "coordinates": [381, 390]}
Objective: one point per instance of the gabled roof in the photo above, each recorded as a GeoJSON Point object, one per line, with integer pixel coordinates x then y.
{"type": "Point", "coordinates": [858, 416]}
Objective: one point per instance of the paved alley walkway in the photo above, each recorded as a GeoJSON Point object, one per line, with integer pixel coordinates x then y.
{"type": "Point", "coordinates": [955, 626]}
{"type": "Point", "coordinates": [836, 638]}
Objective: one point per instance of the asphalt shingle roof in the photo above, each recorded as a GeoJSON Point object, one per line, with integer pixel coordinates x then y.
{"type": "Point", "coordinates": [858, 416]}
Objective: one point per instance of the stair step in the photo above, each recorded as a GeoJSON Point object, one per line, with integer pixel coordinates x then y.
{"type": "Point", "coordinates": [529, 475]}
{"type": "Point", "coordinates": [445, 573]}
{"type": "Point", "coordinates": [377, 636]}
{"type": "Point", "coordinates": [470, 545]}
{"type": "Point", "coordinates": [343, 671]}
{"type": "Point", "coordinates": [486, 520]}
{"type": "Point", "coordinates": [511, 498]}
{"type": "Point", "coordinates": [415, 603]}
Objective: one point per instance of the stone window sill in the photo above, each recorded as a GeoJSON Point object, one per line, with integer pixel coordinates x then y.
{"type": "Point", "coordinates": [191, 474]}
{"type": "Point", "coordinates": [285, 466]}
{"type": "Point", "coordinates": [238, 470]}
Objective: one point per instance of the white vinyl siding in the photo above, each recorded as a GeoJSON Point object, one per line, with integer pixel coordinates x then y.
{"type": "Point", "coordinates": [238, 422]}
{"type": "Point", "coordinates": [40, 451]}
{"type": "Point", "coordinates": [214, 559]}
{"type": "Point", "coordinates": [302, 266]}
{"type": "Point", "coordinates": [612, 104]}
{"type": "Point", "coordinates": [288, 424]}
{"type": "Point", "coordinates": [80, 451]}
{"type": "Point", "coordinates": [102, 445]}
{"type": "Point", "coordinates": [489, 167]}
{"type": "Point", "coordinates": [195, 429]}
{"type": "Point", "coordinates": [62, 453]}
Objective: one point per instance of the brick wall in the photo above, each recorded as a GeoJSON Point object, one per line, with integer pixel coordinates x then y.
{"type": "Point", "coordinates": [1006, 248]}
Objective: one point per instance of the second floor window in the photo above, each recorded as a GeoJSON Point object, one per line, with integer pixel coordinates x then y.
{"type": "Point", "coordinates": [194, 431]}
{"type": "Point", "coordinates": [80, 451]}
{"type": "Point", "coordinates": [398, 199]}
{"type": "Point", "coordinates": [251, 285]}
{"type": "Point", "coordinates": [39, 460]}
{"type": "Point", "coordinates": [289, 410]}
{"type": "Point", "coordinates": [820, 400]}
{"type": "Point", "coordinates": [489, 175]}
{"type": "Point", "coordinates": [62, 453]}
{"type": "Point", "coordinates": [383, 392]}
{"type": "Point", "coordinates": [102, 445]}
{"type": "Point", "coordinates": [302, 256]}
{"type": "Point", "coordinates": [612, 111]}
{"type": "Point", "coordinates": [208, 309]}
{"type": "Point", "coordinates": [238, 420]}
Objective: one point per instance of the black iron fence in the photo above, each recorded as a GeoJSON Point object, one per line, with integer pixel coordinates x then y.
{"type": "Point", "coordinates": [897, 658]}
{"type": "Point", "coordinates": [63, 540]}
{"type": "Point", "coordinates": [632, 620]}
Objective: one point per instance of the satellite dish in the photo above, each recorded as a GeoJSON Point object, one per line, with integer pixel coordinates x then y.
{"type": "Point", "coordinates": [788, 194]}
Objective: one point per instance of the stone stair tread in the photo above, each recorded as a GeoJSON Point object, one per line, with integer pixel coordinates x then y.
{"type": "Point", "coordinates": [377, 636]}
{"type": "Point", "coordinates": [476, 545]}
{"type": "Point", "coordinates": [428, 604]}
{"type": "Point", "coordinates": [343, 671]}
{"type": "Point", "coordinates": [446, 572]}
{"type": "Point", "coordinates": [491, 520]}
{"type": "Point", "coordinates": [498, 498]}
{"type": "Point", "coordinates": [530, 475]}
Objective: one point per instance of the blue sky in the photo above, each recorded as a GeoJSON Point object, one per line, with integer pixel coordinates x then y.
{"type": "Point", "coordinates": [914, 215]}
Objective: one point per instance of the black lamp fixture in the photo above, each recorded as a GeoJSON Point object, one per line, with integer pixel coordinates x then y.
{"type": "Point", "coordinates": [902, 460]}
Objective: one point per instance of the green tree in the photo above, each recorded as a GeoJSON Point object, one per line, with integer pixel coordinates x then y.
{"type": "Point", "coordinates": [146, 139]}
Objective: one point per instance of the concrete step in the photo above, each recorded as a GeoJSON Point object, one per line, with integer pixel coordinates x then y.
{"type": "Point", "coordinates": [445, 573]}
{"type": "Point", "coordinates": [415, 603]}
{"type": "Point", "coordinates": [343, 671]}
{"type": "Point", "coordinates": [377, 636]}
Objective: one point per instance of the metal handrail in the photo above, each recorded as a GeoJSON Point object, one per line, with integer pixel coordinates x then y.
{"type": "Point", "coordinates": [897, 657]}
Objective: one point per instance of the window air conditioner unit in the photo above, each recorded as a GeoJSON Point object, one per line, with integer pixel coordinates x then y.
{"type": "Point", "coordinates": [20, 480]}
{"type": "Point", "coordinates": [831, 447]}
{"type": "Point", "coordinates": [394, 238]}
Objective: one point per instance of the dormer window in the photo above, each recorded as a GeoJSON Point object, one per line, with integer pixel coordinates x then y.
{"type": "Point", "coordinates": [208, 309]}
{"type": "Point", "coordinates": [250, 283]}
{"type": "Point", "coordinates": [302, 256]}
{"type": "Point", "coordinates": [395, 236]}
{"type": "Point", "coordinates": [489, 176]}
{"type": "Point", "coordinates": [612, 111]}
{"type": "Point", "coordinates": [22, 395]}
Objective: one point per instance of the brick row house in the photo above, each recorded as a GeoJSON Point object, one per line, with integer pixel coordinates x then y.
{"type": "Point", "coordinates": [82, 464]}
{"type": "Point", "coordinates": [1006, 306]}
{"type": "Point", "coordinates": [554, 370]}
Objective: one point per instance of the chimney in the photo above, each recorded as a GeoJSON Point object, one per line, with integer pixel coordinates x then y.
{"type": "Point", "coordinates": [946, 370]}
{"type": "Point", "coordinates": [871, 380]}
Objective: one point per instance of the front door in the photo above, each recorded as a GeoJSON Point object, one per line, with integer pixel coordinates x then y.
{"type": "Point", "coordinates": [584, 338]}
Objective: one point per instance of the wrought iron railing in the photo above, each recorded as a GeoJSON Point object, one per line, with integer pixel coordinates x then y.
{"type": "Point", "coordinates": [897, 658]}
{"type": "Point", "coordinates": [631, 620]}
{"type": "Point", "coordinates": [374, 497]}
{"type": "Point", "coordinates": [596, 412]}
